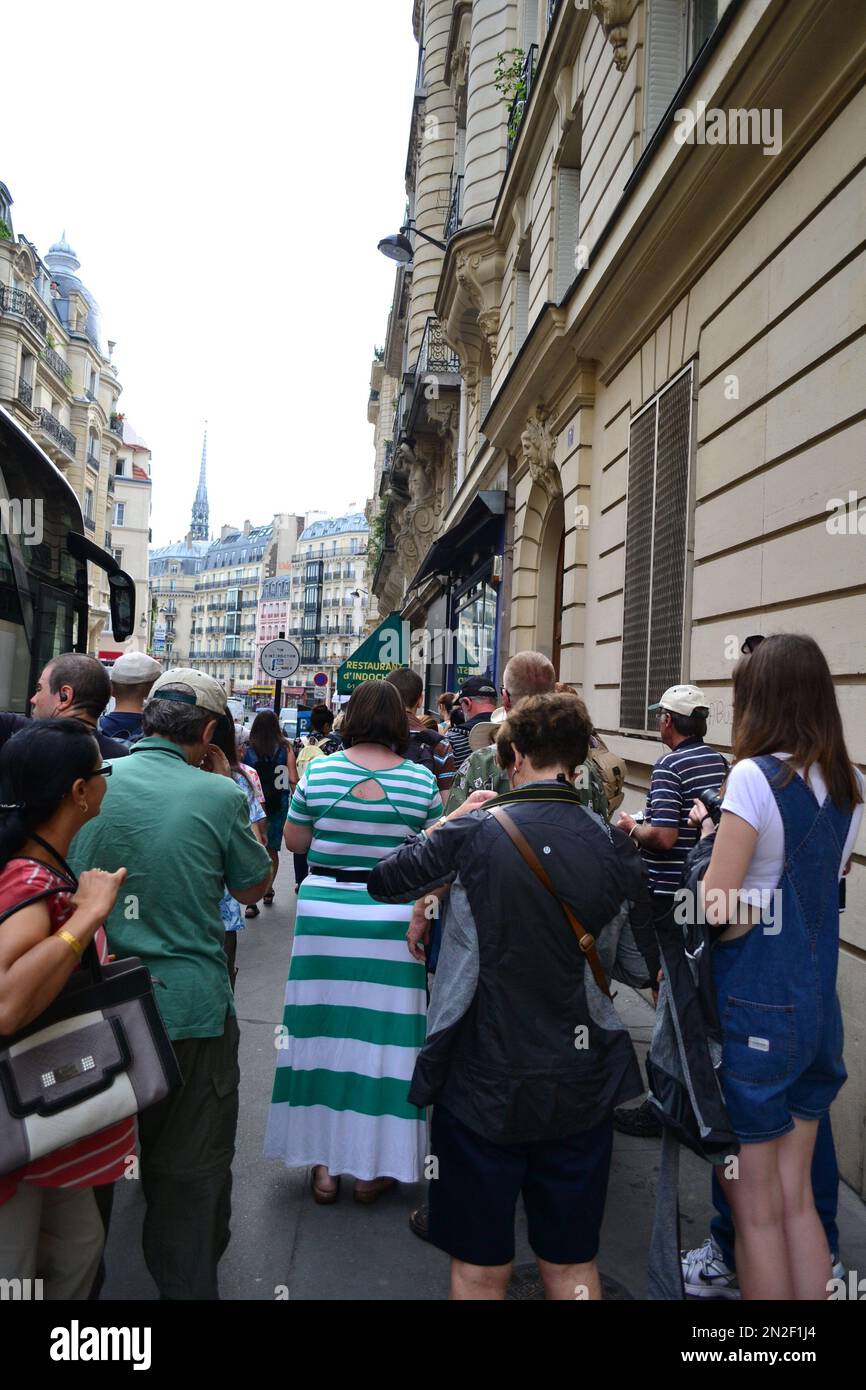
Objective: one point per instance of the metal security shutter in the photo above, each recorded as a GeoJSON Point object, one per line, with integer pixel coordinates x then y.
{"type": "Point", "coordinates": [521, 308]}
{"type": "Point", "coordinates": [567, 200]}
{"type": "Point", "coordinates": [665, 56]}
{"type": "Point", "coordinates": [657, 534]}
{"type": "Point", "coordinates": [638, 571]}
{"type": "Point", "coordinates": [530, 23]}
{"type": "Point", "coordinates": [670, 533]}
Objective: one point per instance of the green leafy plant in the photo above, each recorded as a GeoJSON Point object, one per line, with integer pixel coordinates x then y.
{"type": "Point", "coordinates": [510, 80]}
{"type": "Point", "coordinates": [5, 231]}
{"type": "Point", "coordinates": [51, 340]}
{"type": "Point", "coordinates": [379, 354]}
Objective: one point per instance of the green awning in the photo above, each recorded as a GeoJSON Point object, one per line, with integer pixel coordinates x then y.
{"type": "Point", "coordinates": [386, 649]}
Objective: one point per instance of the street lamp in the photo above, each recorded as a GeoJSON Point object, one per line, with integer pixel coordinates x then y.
{"type": "Point", "coordinates": [399, 247]}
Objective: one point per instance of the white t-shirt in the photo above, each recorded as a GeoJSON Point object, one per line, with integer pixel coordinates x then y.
{"type": "Point", "coordinates": [748, 795]}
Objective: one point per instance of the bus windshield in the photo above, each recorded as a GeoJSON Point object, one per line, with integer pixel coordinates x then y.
{"type": "Point", "coordinates": [43, 582]}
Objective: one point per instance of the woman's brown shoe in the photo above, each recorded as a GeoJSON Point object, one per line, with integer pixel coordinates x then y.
{"type": "Point", "coordinates": [367, 1195]}
{"type": "Point", "coordinates": [324, 1196]}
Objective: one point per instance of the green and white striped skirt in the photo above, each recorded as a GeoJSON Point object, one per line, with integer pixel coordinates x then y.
{"type": "Point", "coordinates": [353, 1023]}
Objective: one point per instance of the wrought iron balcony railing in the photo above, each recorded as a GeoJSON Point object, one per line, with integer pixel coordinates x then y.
{"type": "Point", "coordinates": [25, 392]}
{"type": "Point", "coordinates": [52, 426]}
{"type": "Point", "coordinates": [19, 302]}
{"type": "Point", "coordinates": [89, 523]}
{"type": "Point", "coordinates": [552, 7]}
{"type": "Point", "coordinates": [521, 96]}
{"type": "Point", "coordinates": [434, 354]}
{"type": "Point", "coordinates": [452, 220]}
{"type": "Point", "coordinates": [115, 424]}
{"type": "Point", "coordinates": [57, 364]}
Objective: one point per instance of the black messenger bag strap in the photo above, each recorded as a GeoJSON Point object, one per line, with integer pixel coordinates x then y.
{"type": "Point", "coordinates": [89, 956]}
{"type": "Point", "coordinates": [585, 941]}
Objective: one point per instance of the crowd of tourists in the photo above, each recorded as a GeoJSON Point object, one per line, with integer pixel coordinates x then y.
{"type": "Point", "coordinates": [468, 890]}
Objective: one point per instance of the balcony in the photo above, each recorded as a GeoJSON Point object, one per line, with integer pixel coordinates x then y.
{"type": "Point", "coordinates": [51, 426]}
{"type": "Point", "coordinates": [435, 355]}
{"type": "Point", "coordinates": [59, 367]}
{"type": "Point", "coordinates": [552, 7]}
{"type": "Point", "coordinates": [89, 523]}
{"type": "Point", "coordinates": [455, 207]}
{"type": "Point", "coordinates": [521, 96]}
{"type": "Point", "coordinates": [115, 424]}
{"type": "Point", "coordinates": [110, 483]}
{"type": "Point", "coordinates": [23, 305]}
{"type": "Point", "coordinates": [25, 393]}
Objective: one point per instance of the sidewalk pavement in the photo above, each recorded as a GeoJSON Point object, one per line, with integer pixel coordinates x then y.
{"type": "Point", "coordinates": [285, 1246]}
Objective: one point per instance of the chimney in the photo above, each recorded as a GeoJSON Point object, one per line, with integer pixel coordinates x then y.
{"type": "Point", "coordinates": [227, 531]}
{"type": "Point", "coordinates": [246, 528]}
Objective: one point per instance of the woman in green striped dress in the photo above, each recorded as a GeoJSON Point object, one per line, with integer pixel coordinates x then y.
{"type": "Point", "coordinates": [355, 1003]}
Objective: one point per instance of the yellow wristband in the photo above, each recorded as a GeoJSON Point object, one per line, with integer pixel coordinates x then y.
{"type": "Point", "coordinates": [71, 941]}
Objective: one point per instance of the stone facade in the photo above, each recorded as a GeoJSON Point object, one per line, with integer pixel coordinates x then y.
{"type": "Point", "coordinates": [661, 342]}
{"type": "Point", "coordinates": [57, 379]}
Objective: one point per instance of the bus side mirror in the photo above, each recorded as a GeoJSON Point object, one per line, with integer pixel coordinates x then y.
{"type": "Point", "coordinates": [121, 589]}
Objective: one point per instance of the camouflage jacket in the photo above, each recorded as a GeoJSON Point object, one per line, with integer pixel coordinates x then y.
{"type": "Point", "coordinates": [481, 772]}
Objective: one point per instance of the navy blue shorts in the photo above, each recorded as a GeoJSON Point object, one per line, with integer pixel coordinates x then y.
{"type": "Point", "coordinates": [474, 1197]}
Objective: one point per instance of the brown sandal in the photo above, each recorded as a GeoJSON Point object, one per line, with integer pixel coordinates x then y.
{"type": "Point", "coordinates": [366, 1196]}
{"type": "Point", "coordinates": [323, 1196]}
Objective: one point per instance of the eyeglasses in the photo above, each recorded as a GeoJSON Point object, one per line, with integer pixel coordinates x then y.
{"type": "Point", "coordinates": [104, 771]}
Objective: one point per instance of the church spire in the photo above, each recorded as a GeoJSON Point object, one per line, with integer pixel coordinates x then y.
{"type": "Point", "coordinates": [200, 525]}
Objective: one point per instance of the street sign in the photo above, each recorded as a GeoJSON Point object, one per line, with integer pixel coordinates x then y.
{"type": "Point", "coordinates": [280, 659]}
{"type": "Point", "coordinates": [320, 678]}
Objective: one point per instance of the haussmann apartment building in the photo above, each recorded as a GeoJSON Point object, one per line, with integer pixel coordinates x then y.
{"type": "Point", "coordinates": [618, 415]}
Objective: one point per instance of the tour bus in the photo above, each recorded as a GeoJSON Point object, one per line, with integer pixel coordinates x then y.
{"type": "Point", "coordinates": [43, 568]}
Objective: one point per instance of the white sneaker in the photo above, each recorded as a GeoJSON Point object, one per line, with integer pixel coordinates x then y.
{"type": "Point", "coordinates": [705, 1274]}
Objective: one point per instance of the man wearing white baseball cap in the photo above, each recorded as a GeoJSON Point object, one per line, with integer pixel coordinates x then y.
{"type": "Point", "coordinates": [665, 836]}
{"type": "Point", "coordinates": [132, 677]}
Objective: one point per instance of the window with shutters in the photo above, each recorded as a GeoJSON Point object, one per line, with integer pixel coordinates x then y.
{"type": "Point", "coordinates": [658, 537]}
{"type": "Point", "coordinates": [676, 32]}
{"type": "Point", "coordinates": [521, 292]}
{"type": "Point", "coordinates": [567, 261]}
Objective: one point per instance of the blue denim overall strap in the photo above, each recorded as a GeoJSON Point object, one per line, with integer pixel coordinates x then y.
{"type": "Point", "coordinates": [776, 986]}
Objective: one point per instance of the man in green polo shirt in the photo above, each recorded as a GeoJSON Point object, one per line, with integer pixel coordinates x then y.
{"type": "Point", "coordinates": [174, 818]}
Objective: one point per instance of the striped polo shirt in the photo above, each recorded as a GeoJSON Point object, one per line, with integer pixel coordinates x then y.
{"type": "Point", "coordinates": [677, 779]}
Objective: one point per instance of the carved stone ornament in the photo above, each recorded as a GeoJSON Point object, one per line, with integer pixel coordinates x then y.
{"type": "Point", "coordinates": [488, 322]}
{"type": "Point", "coordinates": [614, 16]}
{"type": "Point", "coordinates": [538, 446]}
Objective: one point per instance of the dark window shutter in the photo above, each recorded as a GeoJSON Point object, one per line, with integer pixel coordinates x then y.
{"type": "Point", "coordinates": [670, 528]}
{"type": "Point", "coordinates": [638, 564]}
{"type": "Point", "coordinates": [657, 527]}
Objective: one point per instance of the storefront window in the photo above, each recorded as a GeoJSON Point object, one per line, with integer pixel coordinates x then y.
{"type": "Point", "coordinates": [476, 633]}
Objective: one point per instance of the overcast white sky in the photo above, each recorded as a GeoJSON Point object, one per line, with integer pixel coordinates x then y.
{"type": "Point", "coordinates": [224, 173]}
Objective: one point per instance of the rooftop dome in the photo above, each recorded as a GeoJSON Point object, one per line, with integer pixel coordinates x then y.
{"type": "Point", "coordinates": [64, 266]}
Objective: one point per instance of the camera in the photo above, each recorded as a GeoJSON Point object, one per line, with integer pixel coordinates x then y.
{"type": "Point", "coordinates": [713, 803]}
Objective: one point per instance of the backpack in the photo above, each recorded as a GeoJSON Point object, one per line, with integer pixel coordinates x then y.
{"type": "Point", "coordinates": [422, 743]}
{"type": "Point", "coordinates": [126, 736]}
{"type": "Point", "coordinates": [267, 770]}
{"type": "Point", "coordinates": [612, 769]}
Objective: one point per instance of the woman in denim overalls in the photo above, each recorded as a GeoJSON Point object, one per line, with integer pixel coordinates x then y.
{"type": "Point", "coordinates": [780, 845]}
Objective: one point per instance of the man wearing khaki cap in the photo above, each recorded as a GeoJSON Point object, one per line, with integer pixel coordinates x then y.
{"type": "Point", "coordinates": [175, 819]}
{"type": "Point", "coordinates": [132, 677]}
